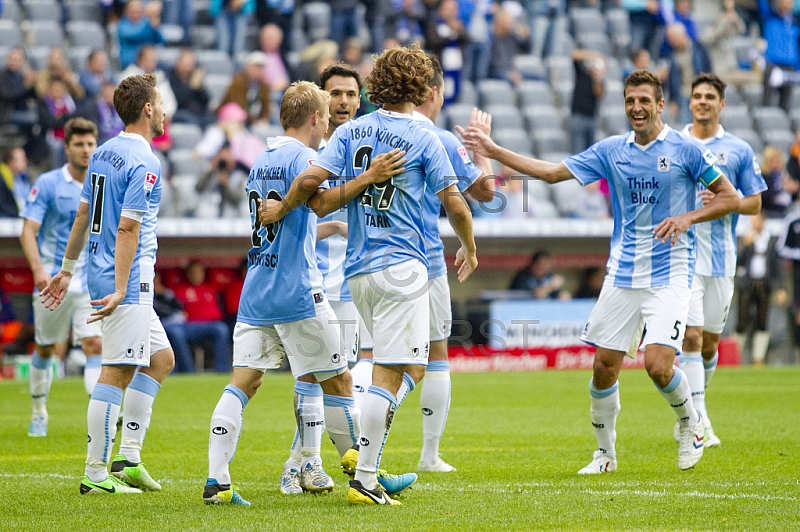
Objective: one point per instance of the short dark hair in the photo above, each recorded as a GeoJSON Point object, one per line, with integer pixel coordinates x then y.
{"type": "Point", "coordinates": [711, 79]}
{"type": "Point", "coordinates": [645, 77]}
{"type": "Point", "coordinates": [78, 126]}
{"type": "Point", "coordinates": [342, 70]}
{"type": "Point", "coordinates": [132, 94]}
{"type": "Point", "coordinates": [438, 74]}
{"type": "Point", "coordinates": [8, 153]}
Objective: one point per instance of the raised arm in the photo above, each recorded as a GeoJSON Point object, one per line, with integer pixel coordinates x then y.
{"type": "Point", "coordinates": [482, 189]}
{"type": "Point", "coordinates": [55, 291]}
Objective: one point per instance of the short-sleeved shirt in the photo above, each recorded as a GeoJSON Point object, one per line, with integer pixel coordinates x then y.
{"type": "Point", "coordinates": [283, 282]}
{"type": "Point", "coordinates": [716, 240]}
{"type": "Point", "coordinates": [53, 203]}
{"type": "Point", "coordinates": [465, 172]}
{"type": "Point", "coordinates": [123, 174]}
{"type": "Point", "coordinates": [648, 184]}
{"type": "Point", "coordinates": [385, 223]}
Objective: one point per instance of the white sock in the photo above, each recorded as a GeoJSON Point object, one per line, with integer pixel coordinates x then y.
{"type": "Point", "coordinates": [101, 418]}
{"type": "Point", "coordinates": [226, 425]}
{"type": "Point", "coordinates": [710, 366]}
{"type": "Point", "coordinates": [343, 421]}
{"type": "Point", "coordinates": [692, 366]}
{"type": "Point", "coordinates": [40, 376]}
{"type": "Point", "coordinates": [91, 372]}
{"type": "Point", "coordinates": [362, 380]}
{"type": "Point", "coordinates": [679, 396]}
{"type": "Point", "coordinates": [310, 418]}
{"type": "Point", "coordinates": [295, 453]}
{"type": "Point", "coordinates": [604, 409]}
{"type": "Point", "coordinates": [434, 399]}
{"type": "Point", "coordinates": [137, 410]}
{"type": "Point", "coordinates": [376, 420]}
{"type": "Point", "coordinates": [406, 387]}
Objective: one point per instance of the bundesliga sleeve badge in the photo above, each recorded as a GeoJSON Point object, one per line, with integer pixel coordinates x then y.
{"type": "Point", "coordinates": [150, 181]}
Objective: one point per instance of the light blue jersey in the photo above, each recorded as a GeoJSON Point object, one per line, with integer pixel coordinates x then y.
{"type": "Point", "coordinates": [53, 203]}
{"type": "Point", "coordinates": [716, 240]}
{"type": "Point", "coordinates": [385, 224]}
{"type": "Point", "coordinates": [648, 184]}
{"type": "Point", "coordinates": [331, 252]}
{"type": "Point", "coordinates": [283, 282]}
{"type": "Point", "coordinates": [123, 174]}
{"type": "Point", "coordinates": [465, 172]}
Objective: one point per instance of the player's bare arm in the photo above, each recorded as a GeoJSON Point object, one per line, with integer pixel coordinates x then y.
{"type": "Point", "coordinates": [382, 168]}
{"type": "Point", "coordinates": [725, 200]}
{"type": "Point", "coordinates": [270, 211]}
{"type": "Point", "coordinates": [461, 220]}
{"type": "Point", "coordinates": [483, 188]}
{"type": "Point", "coordinates": [55, 291]}
{"type": "Point", "coordinates": [127, 243]}
{"type": "Point", "coordinates": [328, 229]}
{"type": "Point", "coordinates": [747, 205]}
{"type": "Point", "coordinates": [31, 250]}
{"type": "Point", "coordinates": [482, 144]}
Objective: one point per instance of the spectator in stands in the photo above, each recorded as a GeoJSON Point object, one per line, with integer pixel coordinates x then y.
{"type": "Point", "coordinates": [513, 189]}
{"type": "Point", "coordinates": [230, 19]}
{"type": "Point", "coordinates": [55, 109]}
{"type": "Point", "coordinates": [230, 132]}
{"type": "Point", "coordinates": [58, 67]}
{"type": "Point", "coordinates": [353, 51]}
{"type": "Point", "coordinates": [135, 30]}
{"type": "Point", "coordinates": [249, 90]}
{"type": "Point", "coordinates": [278, 12]}
{"type": "Point", "coordinates": [538, 278]}
{"type": "Point", "coordinates": [173, 317]}
{"type": "Point", "coordinates": [446, 36]}
{"type": "Point", "coordinates": [147, 63]}
{"type": "Point", "coordinates": [14, 170]}
{"type": "Point", "coordinates": [276, 74]}
{"type": "Point", "coordinates": [590, 70]}
{"type": "Point", "coordinates": [8, 205]}
{"type": "Point", "coordinates": [793, 166]}
{"type": "Point", "coordinates": [788, 248]}
{"type": "Point", "coordinates": [96, 74]}
{"type": "Point", "coordinates": [781, 33]}
{"type": "Point", "coordinates": [180, 13]}
{"type": "Point", "coordinates": [344, 20]}
{"type": "Point", "coordinates": [682, 14]}
{"type": "Point", "coordinates": [405, 21]}
{"type": "Point", "coordinates": [688, 59]}
{"type": "Point", "coordinates": [508, 39]}
{"type": "Point", "coordinates": [749, 13]}
{"type": "Point", "coordinates": [315, 58]}
{"type": "Point", "coordinates": [545, 15]}
{"type": "Point", "coordinates": [375, 15]}
{"type": "Point", "coordinates": [478, 53]}
{"type": "Point", "coordinates": [191, 96]}
{"type": "Point", "coordinates": [775, 201]}
{"type": "Point", "coordinates": [204, 316]}
{"type": "Point", "coordinates": [758, 272]}
{"type": "Point", "coordinates": [102, 112]}
{"type": "Point", "coordinates": [643, 16]}
{"type": "Point", "coordinates": [17, 95]}
{"type": "Point", "coordinates": [591, 283]}
{"type": "Point", "coordinates": [220, 189]}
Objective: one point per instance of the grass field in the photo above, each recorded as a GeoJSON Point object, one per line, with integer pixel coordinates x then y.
{"type": "Point", "coordinates": [517, 440]}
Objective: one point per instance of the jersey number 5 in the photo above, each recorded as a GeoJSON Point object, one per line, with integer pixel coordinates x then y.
{"type": "Point", "coordinates": [361, 161]}
{"type": "Point", "coordinates": [98, 191]}
{"type": "Point", "coordinates": [272, 229]}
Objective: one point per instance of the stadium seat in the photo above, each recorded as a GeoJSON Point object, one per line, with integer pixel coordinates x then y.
{"type": "Point", "coordinates": [45, 33]}
{"type": "Point", "coordinates": [530, 67]}
{"type": "Point", "coordinates": [172, 34]}
{"type": "Point", "coordinates": [733, 97]}
{"type": "Point", "coordinates": [597, 41]}
{"type": "Point", "coordinates": [505, 116]}
{"type": "Point", "coordinates": [37, 56]}
{"type": "Point", "coordinates": [564, 92]}
{"type": "Point", "coordinates": [215, 61]}
{"type": "Point", "coordinates": [516, 140]}
{"type": "Point", "coordinates": [750, 137]}
{"type": "Point", "coordinates": [753, 94]}
{"type": "Point", "coordinates": [86, 34]}
{"type": "Point", "coordinates": [613, 70]}
{"type": "Point", "coordinates": [172, 277]}
{"type": "Point", "coordinates": [585, 20]}
{"type": "Point", "coordinates": [780, 138]}
{"type": "Point", "coordinates": [185, 163]}
{"type": "Point", "coordinates": [84, 11]}
{"type": "Point", "coordinates": [492, 91]}
{"type": "Point", "coordinates": [619, 28]}
{"type": "Point", "coordinates": [185, 136]}
{"type": "Point", "coordinates": [167, 57]}
{"type": "Point", "coordinates": [467, 94]}
{"type": "Point", "coordinates": [736, 117]}
{"type": "Point", "coordinates": [264, 131]}
{"type": "Point", "coordinates": [551, 140]}
{"type": "Point", "coordinates": [534, 93]}
{"type": "Point", "coordinates": [561, 70]}
{"type": "Point", "coordinates": [11, 11]}
{"type": "Point", "coordinates": [202, 12]}
{"type": "Point", "coordinates": [10, 34]}
{"type": "Point", "coordinates": [42, 10]}
{"type": "Point", "coordinates": [216, 85]}
{"type": "Point", "coordinates": [317, 20]}
{"type": "Point", "coordinates": [77, 56]}
{"type": "Point", "coordinates": [458, 114]}
{"type": "Point", "coordinates": [183, 186]}
{"type": "Point", "coordinates": [203, 37]}
{"type": "Point", "coordinates": [220, 277]}
{"type": "Point", "coordinates": [770, 119]}
{"type": "Point", "coordinates": [613, 121]}
{"type": "Point", "coordinates": [795, 117]}
{"type": "Point", "coordinates": [543, 116]}
{"type": "Point", "coordinates": [538, 189]}
{"type": "Point", "coordinates": [544, 209]}
{"type": "Point", "coordinates": [567, 196]}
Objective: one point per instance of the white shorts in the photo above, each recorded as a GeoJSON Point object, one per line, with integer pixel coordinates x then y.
{"type": "Point", "coordinates": [710, 302]}
{"type": "Point", "coordinates": [616, 316]}
{"type": "Point", "coordinates": [131, 334]}
{"type": "Point", "coordinates": [395, 308]}
{"type": "Point", "coordinates": [364, 336]}
{"type": "Point", "coordinates": [441, 313]}
{"type": "Point", "coordinates": [52, 326]}
{"type": "Point", "coordinates": [349, 323]}
{"type": "Point", "coordinates": [313, 345]}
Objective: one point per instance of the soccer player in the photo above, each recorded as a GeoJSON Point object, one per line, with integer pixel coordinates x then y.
{"type": "Point", "coordinates": [386, 264]}
{"type": "Point", "coordinates": [118, 211]}
{"type": "Point", "coordinates": [48, 216]}
{"type": "Point", "coordinates": [284, 310]}
{"type": "Point", "coordinates": [652, 173]}
{"type": "Point", "coordinates": [477, 180]}
{"type": "Point", "coordinates": [712, 287]}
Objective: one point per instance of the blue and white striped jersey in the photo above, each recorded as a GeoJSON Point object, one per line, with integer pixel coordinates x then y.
{"type": "Point", "coordinates": [53, 203]}
{"type": "Point", "coordinates": [465, 172]}
{"type": "Point", "coordinates": [385, 224]}
{"type": "Point", "coordinates": [648, 184]}
{"type": "Point", "coordinates": [282, 282]}
{"type": "Point", "coordinates": [716, 240]}
{"type": "Point", "coordinates": [123, 174]}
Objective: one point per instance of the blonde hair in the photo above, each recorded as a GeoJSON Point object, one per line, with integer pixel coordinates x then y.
{"type": "Point", "coordinates": [300, 101]}
{"type": "Point", "coordinates": [769, 154]}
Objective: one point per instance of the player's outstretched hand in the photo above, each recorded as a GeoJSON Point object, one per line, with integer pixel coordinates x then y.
{"type": "Point", "coordinates": [385, 166]}
{"type": "Point", "coordinates": [480, 120]}
{"type": "Point", "coordinates": [269, 211]}
{"type": "Point", "coordinates": [477, 141]}
{"type": "Point", "coordinates": [110, 303]}
{"type": "Point", "coordinates": [53, 294]}
{"type": "Point", "coordinates": [706, 195]}
{"type": "Point", "coordinates": [466, 263]}
{"type": "Point", "coordinates": [671, 228]}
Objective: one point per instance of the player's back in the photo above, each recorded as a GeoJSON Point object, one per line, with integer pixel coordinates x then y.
{"type": "Point", "coordinates": [385, 224]}
{"type": "Point", "coordinates": [282, 282]}
{"type": "Point", "coordinates": [123, 174]}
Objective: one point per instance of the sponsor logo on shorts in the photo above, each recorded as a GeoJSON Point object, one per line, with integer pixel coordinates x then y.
{"type": "Point", "coordinates": [88, 438]}
{"type": "Point", "coordinates": [133, 425]}
{"type": "Point", "coordinates": [359, 389]}
{"type": "Point", "coordinates": [427, 412]}
{"type": "Point", "coordinates": [129, 353]}
{"type": "Point", "coordinates": [219, 431]}
{"type": "Point", "coordinates": [319, 297]}
{"type": "Point", "coordinates": [363, 442]}
{"type": "Point", "coordinates": [415, 352]}
{"type": "Point", "coordinates": [598, 426]}
{"type": "Point", "coordinates": [335, 358]}
{"type": "Point", "coordinates": [144, 288]}
{"type": "Point", "coordinates": [141, 350]}
{"type": "Point", "coordinates": [428, 347]}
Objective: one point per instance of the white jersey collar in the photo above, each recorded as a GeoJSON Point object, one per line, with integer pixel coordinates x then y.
{"type": "Point", "coordinates": [393, 114]}
{"type": "Point", "coordinates": [416, 115]}
{"type": "Point", "coordinates": [661, 136]}
{"type": "Point", "coordinates": [135, 136]}
{"type": "Point", "coordinates": [67, 176]}
{"type": "Point", "coordinates": [687, 132]}
{"type": "Point", "coordinates": [282, 140]}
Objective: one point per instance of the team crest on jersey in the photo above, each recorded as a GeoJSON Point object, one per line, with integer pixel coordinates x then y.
{"type": "Point", "coordinates": [150, 181]}
{"type": "Point", "coordinates": [722, 157]}
{"type": "Point", "coordinates": [663, 164]}
{"type": "Point", "coordinates": [462, 151]}
{"type": "Point", "coordinates": [33, 193]}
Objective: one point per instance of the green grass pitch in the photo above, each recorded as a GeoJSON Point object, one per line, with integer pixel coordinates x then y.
{"type": "Point", "coordinates": [517, 440]}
